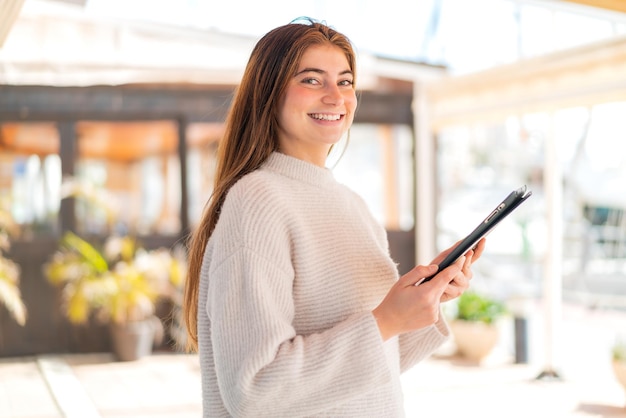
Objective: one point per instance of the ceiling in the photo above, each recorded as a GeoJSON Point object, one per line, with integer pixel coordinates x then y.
{"type": "Point", "coordinates": [10, 9]}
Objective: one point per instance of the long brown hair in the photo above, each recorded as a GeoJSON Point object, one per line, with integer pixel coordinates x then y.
{"type": "Point", "coordinates": [251, 132]}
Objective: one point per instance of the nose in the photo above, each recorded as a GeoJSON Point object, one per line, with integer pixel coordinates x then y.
{"type": "Point", "coordinates": [333, 95]}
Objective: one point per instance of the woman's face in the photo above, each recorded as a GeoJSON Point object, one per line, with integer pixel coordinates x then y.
{"type": "Point", "coordinates": [318, 105]}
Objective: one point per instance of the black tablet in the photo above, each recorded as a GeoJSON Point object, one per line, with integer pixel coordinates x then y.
{"type": "Point", "coordinates": [508, 205]}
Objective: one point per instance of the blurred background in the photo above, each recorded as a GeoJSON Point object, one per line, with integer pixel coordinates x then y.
{"type": "Point", "coordinates": [111, 110]}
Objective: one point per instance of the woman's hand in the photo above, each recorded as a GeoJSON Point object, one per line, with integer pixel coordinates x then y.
{"type": "Point", "coordinates": [460, 282]}
{"type": "Point", "coordinates": [409, 305]}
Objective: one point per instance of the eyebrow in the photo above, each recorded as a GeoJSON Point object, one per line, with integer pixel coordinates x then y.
{"type": "Point", "coordinates": [320, 71]}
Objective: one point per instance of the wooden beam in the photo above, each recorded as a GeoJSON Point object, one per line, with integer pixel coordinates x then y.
{"type": "Point", "coordinates": [583, 76]}
{"type": "Point", "coordinates": [194, 103]}
{"type": "Point", "coordinates": [128, 102]}
{"type": "Point", "coordinates": [9, 10]}
{"type": "Point", "coordinates": [68, 154]}
{"type": "Point", "coordinates": [390, 176]}
{"type": "Point", "coordinates": [612, 5]}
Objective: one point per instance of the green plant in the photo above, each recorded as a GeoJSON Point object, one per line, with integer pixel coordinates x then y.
{"type": "Point", "coordinates": [618, 351]}
{"type": "Point", "coordinates": [10, 295]}
{"type": "Point", "coordinates": [472, 306]}
{"type": "Point", "coordinates": [120, 283]}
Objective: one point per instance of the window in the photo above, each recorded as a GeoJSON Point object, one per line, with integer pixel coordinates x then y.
{"type": "Point", "coordinates": [378, 165]}
{"type": "Point", "coordinates": [127, 178]}
{"type": "Point", "coordinates": [30, 176]}
{"type": "Point", "coordinates": [202, 139]}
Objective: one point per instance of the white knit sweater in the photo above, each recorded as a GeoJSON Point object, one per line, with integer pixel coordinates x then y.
{"type": "Point", "coordinates": [290, 276]}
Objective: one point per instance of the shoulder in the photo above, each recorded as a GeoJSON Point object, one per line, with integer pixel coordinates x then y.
{"type": "Point", "coordinates": [252, 219]}
{"type": "Point", "coordinates": [257, 191]}
{"type": "Point", "coordinates": [255, 206]}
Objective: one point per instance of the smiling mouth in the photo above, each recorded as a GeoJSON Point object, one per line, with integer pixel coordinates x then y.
{"type": "Point", "coordinates": [326, 116]}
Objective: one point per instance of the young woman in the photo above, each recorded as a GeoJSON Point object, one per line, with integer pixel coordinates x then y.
{"type": "Point", "coordinates": [292, 300]}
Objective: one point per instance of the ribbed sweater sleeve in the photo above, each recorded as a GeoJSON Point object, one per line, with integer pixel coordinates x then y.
{"type": "Point", "coordinates": [291, 273]}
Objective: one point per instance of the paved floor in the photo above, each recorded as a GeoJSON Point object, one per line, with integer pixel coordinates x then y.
{"type": "Point", "coordinates": [95, 386]}
{"type": "Point", "coordinates": [168, 385]}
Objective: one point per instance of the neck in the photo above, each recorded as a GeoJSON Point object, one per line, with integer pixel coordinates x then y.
{"type": "Point", "coordinates": [315, 156]}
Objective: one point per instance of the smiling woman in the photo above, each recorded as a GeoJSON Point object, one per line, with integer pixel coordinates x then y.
{"type": "Point", "coordinates": [292, 299]}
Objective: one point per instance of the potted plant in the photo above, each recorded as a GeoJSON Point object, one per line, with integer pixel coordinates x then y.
{"type": "Point", "coordinates": [474, 325]}
{"type": "Point", "coordinates": [619, 361]}
{"type": "Point", "coordinates": [10, 295]}
{"type": "Point", "coordinates": [118, 285]}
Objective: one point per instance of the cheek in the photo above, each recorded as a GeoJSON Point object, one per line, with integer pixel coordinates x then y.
{"type": "Point", "coordinates": [283, 110]}
{"type": "Point", "coordinates": [351, 101]}
{"type": "Point", "coordinates": [351, 104]}
{"type": "Point", "coordinates": [295, 100]}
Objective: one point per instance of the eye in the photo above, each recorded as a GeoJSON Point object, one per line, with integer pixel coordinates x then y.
{"type": "Point", "coordinates": [311, 80]}
{"type": "Point", "coordinates": [346, 83]}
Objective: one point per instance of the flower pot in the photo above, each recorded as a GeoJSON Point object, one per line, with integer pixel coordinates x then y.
{"type": "Point", "coordinates": [619, 369]}
{"type": "Point", "coordinates": [135, 339]}
{"type": "Point", "coordinates": [474, 340]}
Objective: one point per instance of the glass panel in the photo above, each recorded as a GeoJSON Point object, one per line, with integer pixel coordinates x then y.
{"type": "Point", "coordinates": [127, 178]}
{"type": "Point", "coordinates": [378, 165]}
{"type": "Point", "coordinates": [202, 140]}
{"type": "Point", "coordinates": [478, 166]}
{"type": "Point", "coordinates": [30, 176]}
{"type": "Point", "coordinates": [595, 251]}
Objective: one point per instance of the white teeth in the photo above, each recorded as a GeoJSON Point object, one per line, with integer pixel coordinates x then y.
{"type": "Point", "coordinates": [324, 116]}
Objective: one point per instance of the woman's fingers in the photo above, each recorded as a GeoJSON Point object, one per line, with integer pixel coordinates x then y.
{"type": "Point", "coordinates": [417, 274]}
{"type": "Point", "coordinates": [478, 249]}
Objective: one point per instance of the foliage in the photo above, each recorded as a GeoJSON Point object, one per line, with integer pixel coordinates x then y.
{"type": "Point", "coordinates": [472, 306]}
{"type": "Point", "coordinates": [619, 351]}
{"type": "Point", "coordinates": [119, 283]}
{"type": "Point", "coordinates": [10, 295]}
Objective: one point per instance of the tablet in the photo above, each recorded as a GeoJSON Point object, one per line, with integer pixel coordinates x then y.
{"type": "Point", "coordinates": [506, 207]}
